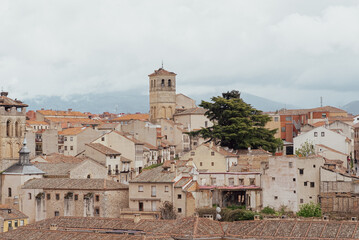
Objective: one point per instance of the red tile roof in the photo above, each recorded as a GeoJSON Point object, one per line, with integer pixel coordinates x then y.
{"type": "Point", "coordinates": [103, 149]}
{"type": "Point", "coordinates": [8, 102]}
{"type": "Point", "coordinates": [162, 72]}
{"type": "Point", "coordinates": [53, 113]}
{"type": "Point", "coordinates": [72, 131]}
{"type": "Point", "coordinates": [128, 117]}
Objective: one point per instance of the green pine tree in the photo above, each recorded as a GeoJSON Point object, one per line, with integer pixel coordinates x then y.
{"type": "Point", "coordinates": [237, 125]}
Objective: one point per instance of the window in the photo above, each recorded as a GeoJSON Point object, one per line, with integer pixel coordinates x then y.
{"type": "Point", "coordinates": [273, 178]}
{"type": "Point", "coordinates": [48, 196]}
{"type": "Point", "coordinates": [166, 188]}
{"type": "Point", "coordinates": [322, 134]}
{"type": "Point", "coordinates": [89, 176]}
{"type": "Point", "coordinates": [97, 211]}
{"type": "Point", "coordinates": [192, 153]}
{"type": "Point", "coordinates": [276, 119]}
{"type": "Point", "coordinates": [305, 184]}
{"type": "Point", "coordinates": [212, 164]}
{"type": "Point", "coordinates": [71, 139]}
{"type": "Point", "coordinates": [153, 191]}
{"type": "Point", "coordinates": [76, 197]}
{"type": "Point", "coordinates": [315, 134]}
{"type": "Point", "coordinates": [21, 222]}
{"type": "Point", "coordinates": [9, 224]}
{"type": "Point", "coordinates": [140, 206]}
{"type": "Point", "coordinates": [301, 200]}
{"type": "Point", "coordinates": [290, 164]}
{"type": "Point", "coordinates": [57, 213]}
{"type": "Point", "coordinates": [230, 181]}
{"type": "Point", "coordinates": [57, 196]}
{"type": "Point", "coordinates": [140, 188]}
{"type": "Point", "coordinates": [29, 196]}
{"type": "Point", "coordinates": [312, 184]}
{"type": "Point", "coordinates": [179, 210]}
{"type": "Point", "coordinates": [314, 166]}
{"type": "Point", "coordinates": [240, 181]}
{"type": "Point", "coordinates": [162, 83]}
{"type": "Point", "coordinates": [293, 179]}
{"type": "Point", "coordinates": [205, 123]}
{"type": "Point", "coordinates": [65, 148]}
{"type": "Point", "coordinates": [169, 83]}
{"type": "Point", "coordinates": [103, 139]}
{"type": "Point", "coordinates": [252, 181]}
{"type": "Point", "coordinates": [213, 181]}
{"type": "Point", "coordinates": [294, 191]}
{"type": "Point", "coordinates": [9, 193]}
{"type": "Point", "coordinates": [283, 129]}
{"type": "Point", "coordinates": [153, 206]}
{"type": "Point", "coordinates": [97, 198]}
{"type": "Point", "coordinates": [65, 139]}
{"type": "Point", "coordinates": [301, 171]}
{"type": "Point", "coordinates": [324, 115]}
{"type": "Point", "coordinates": [212, 153]}
{"type": "Point", "coordinates": [71, 148]}
{"type": "Point", "coordinates": [16, 223]}
{"type": "Point", "coordinates": [200, 164]}
{"type": "Point", "coordinates": [288, 119]}
{"type": "Point", "coordinates": [179, 196]}
{"type": "Point", "coordinates": [275, 197]}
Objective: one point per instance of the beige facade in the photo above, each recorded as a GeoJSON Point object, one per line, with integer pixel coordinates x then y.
{"type": "Point", "coordinates": [193, 119]}
{"type": "Point", "coordinates": [274, 123]}
{"type": "Point", "coordinates": [12, 129]}
{"type": "Point", "coordinates": [142, 130]}
{"type": "Point", "coordinates": [44, 198]}
{"type": "Point", "coordinates": [184, 102]}
{"type": "Point", "coordinates": [162, 94]}
{"type": "Point", "coordinates": [212, 158]}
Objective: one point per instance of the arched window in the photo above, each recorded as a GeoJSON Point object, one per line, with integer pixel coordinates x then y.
{"type": "Point", "coordinates": [9, 193]}
{"type": "Point", "coordinates": [163, 83]}
{"type": "Point", "coordinates": [169, 83]}
{"type": "Point", "coordinates": [17, 129]}
{"type": "Point", "coordinates": [8, 128]}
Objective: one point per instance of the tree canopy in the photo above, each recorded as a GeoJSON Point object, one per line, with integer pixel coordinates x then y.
{"type": "Point", "coordinates": [237, 125]}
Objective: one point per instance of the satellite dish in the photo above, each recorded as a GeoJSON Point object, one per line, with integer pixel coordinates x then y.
{"type": "Point", "coordinates": [218, 209]}
{"type": "Point", "coordinates": [218, 217]}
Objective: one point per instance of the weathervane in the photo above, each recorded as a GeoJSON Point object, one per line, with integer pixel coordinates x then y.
{"type": "Point", "coordinates": [162, 64]}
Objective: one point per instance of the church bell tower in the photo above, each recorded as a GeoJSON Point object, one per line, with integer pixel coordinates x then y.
{"type": "Point", "coordinates": [162, 95]}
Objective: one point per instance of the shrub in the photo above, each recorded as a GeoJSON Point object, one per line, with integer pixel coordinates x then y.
{"type": "Point", "coordinates": [310, 210]}
{"type": "Point", "coordinates": [268, 210]}
{"type": "Point", "coordinates": [229, 215]}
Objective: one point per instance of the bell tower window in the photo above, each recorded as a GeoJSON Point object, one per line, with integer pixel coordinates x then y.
{"type": "Point", "coordinates": [169, 83]}
{"type": "Point", "coordinates": [162, 83]}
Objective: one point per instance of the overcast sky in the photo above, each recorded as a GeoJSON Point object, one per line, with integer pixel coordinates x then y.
{"type": "Point", "coordinates": [288, 51]}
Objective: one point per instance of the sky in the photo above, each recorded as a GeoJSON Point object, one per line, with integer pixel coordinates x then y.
{"type": "Point", "coordinates": [292, 52]}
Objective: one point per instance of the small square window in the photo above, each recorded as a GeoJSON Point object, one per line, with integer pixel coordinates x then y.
{"type": "Point", "coordinates": [275, 197]}
{"type": "Point", "coordinates": [97, 211]}
{"type": "Point", "coordinates": [276, 119]}
{"type": "Point", "coordinates": [192, 153]}
{"type": "Point", "coordinates": [16, 223]}
{"type": "Point", "coordinates": [273, 178]}
{"type": "Point", "coordinates": [314, 166]}
{"type": "Point", "coordinates": [283, 129]}
{"type": "Point", "coordinates": [166, 188]}
{"type": "Point", "coordinates": [71, 148]}
{"type": "Point", "coordinates": [312, 184]}
{"type": "Point", "coordinates": [322, 134]}
{"type": "Point", "coordinates": [76, 197]}
{"type": "Point", "coordinates": [179, 196]}
{"type": "Point", "coordinates": [97, 198]}
{"type": "Point", "coordinates": [310, 197]}
{"type": "Point", "coordinates": [140, 188]}
{"type": "Point", "coordinates": [57, 196]}
{"type": "Point", "coordinates": [103, 139]}
{"type": "Point", "coordinates": [293, 179]}
{"type": "Point", "coordinates": [305, 183]}
{"type": "Point", "coordinates": [57, 213]}
{"type": "Point", "coordinates": [290, 164]}
{"type": "Point", "coordinates": [71, 139]}
{"type": "Point", "coordinates": [301, 171]}
{"type": "Point", "coordinates": [288, 119]}
{"type": "Point", "coordinates": [315, 134]}
{"type": "Point", "coordinates": [212, 153]}
{"type": "Point", "coordinates": [212, 164]}
{"type": "Point", "coordinates": [48, 196]}
{"type": "Point", "coordinates": [179, 210]}
{"type": "Point", "coordinates": [301, 200]}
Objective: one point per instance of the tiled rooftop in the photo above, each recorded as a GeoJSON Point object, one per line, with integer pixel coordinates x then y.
{"type": "Point", "coordinates": [58, 158]}
{"type": "Point", "coordinates": [163, 72]}
{"type": "Point", "coordinates": [72, 131]}
{"type": "Point", "coordinates": [54, 113]}
{"type": "Point", "coordinates": [8, 102]}
{"type": "Point", "coordinates": [103, 149]}
{"type": "Point", "coordinates": [128, 117]}
{"type": "Point", "coordinates": [193, 111]}
{"type": "Point", "coordinates": [10, 213]}
{"type": "Point", "coordinates": [56, 169]}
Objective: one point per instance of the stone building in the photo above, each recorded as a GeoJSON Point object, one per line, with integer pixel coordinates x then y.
{"type": "Point", "coordinates": [12, 129]}
{"type": "Point", "coordinates": [49, 197]}
{"type": "Point", "coordinates": [162, 94]}
{"type": "Point", "coordinates": [11, 218]}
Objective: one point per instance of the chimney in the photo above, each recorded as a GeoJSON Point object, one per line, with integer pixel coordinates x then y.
{"type": "Point", "coordinates": [137, 218]}
{"type": "Point", "coordinates": [4, 94]}
{"type": "Point", "coordinates": [69, 110]}
{"type": "Point", "coordinates": [173, 167]}
{"type": "Point", "coordinates": [53, 227]}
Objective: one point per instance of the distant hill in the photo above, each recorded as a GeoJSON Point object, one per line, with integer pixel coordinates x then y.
{"type": "Point", "coordinates": [352, 107]}
{"type": "Point", "coordinates": [121, 102]}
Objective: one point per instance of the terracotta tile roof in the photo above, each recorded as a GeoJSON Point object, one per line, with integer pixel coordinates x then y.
{"type": "Point", "coordinates": [66, 183]}
{"type": "Point", "coordinates": [53, 113]}
{"type": "Point", "coordinates": [58, 158]}
{"type": "Point", "coordinates": [56, 169]}
{"type": "Point", "coordinates": [108, 126]}
{"type": "Point", "coordinates": [183, 181]}
{"type": "Point", "coordinates": [32, 122]}
{"type": "Point", "coordinates": [83, 121]}
{"type": "Point", "coordinates": [253, 152]}
{"type": "Point", "coordinates": [192, 111]}
{"type": "Point", "coordinates": [72, 131]}
{"type": "Point", "coordinates": [318, 124]}
{"type": "Point", "coordinates": [103, 149]}
{"type": "Point", "coordinates": [161, 72]}
{"type": "Point", "coordinates": [158, 175]}
{"type": "Point", "coordinates": [8, 102]}
{"type": "Point", "coordinates": [328, 109]}
{"type": "Point", "coordinates": [221, 150]}
{"type": "Point", "coordinates": [150, 146]}
{"type": "Point", "coordinates": [10, 213]}
{"type": "Point", "coordinates": [128, 117]}
{"type": "Point", "coordinates": [305, 111]}
{"type": "Point", "coordinates": [128, 137]}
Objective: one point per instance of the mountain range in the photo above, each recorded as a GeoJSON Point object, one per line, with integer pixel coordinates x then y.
{"type": "Point", "coordinates": [121, 102]}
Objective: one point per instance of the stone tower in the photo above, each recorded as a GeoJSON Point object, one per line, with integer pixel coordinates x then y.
{"type": "Point", "coordinates": [12, 129]}
{"type": "Point", "coordinates": [162, 95]}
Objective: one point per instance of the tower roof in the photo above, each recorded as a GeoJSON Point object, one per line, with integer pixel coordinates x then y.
{"type": "Point", "coordinates": [8, 102]}
{"type": "Point", "coordinates": [162, 72]}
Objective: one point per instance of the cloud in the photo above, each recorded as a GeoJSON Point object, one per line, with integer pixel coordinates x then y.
{"type": "Point", "coordinates": [265, 48]}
